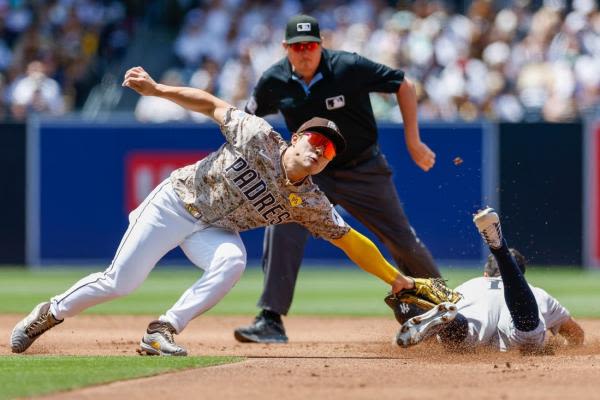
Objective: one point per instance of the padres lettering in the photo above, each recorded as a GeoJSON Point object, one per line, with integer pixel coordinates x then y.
{"type": "Point", "coordinates": [254, 189]}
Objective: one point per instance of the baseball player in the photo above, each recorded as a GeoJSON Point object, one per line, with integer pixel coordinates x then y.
{"type": "Point", "coordinates": [312, 80]}
{"type": "Point", "coordinates": [499, 310]}
{"type": "Point", "coordinates": [255, 179]}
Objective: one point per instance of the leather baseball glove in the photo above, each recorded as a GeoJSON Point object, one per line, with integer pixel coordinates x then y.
{"type": "Point", "coordinates": [427, 293]}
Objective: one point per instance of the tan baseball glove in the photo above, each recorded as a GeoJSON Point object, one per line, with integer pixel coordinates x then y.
{"type": "Point", "coordinates": [427, 293]}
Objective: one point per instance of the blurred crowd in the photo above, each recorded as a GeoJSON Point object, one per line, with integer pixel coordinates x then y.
{"type": "Point", "coordinates": [501, 60]}
{"type": "Point", "coordinates": [507, 60]}
{"type": "Point", "coordinates": [52, 52]}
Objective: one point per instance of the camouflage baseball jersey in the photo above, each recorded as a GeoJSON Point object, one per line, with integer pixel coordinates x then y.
{"type": "Point", "coordinates": [242, 185]}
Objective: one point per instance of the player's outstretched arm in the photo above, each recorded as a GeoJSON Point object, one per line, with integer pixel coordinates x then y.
{"type": "Point", "coordinates": [367, 256]}
{"type": "Point", "coordinates": [572, 332]}
{"type": "Point", "coordinates": [192, 99]}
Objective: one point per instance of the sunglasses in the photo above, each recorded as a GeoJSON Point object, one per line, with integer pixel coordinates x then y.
{"type": "Point", "coordinates": [319, 140]}
{"type": "Point", "coordinates": [308, 46]}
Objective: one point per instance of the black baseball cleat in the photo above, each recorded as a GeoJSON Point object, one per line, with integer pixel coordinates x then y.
{"type": "Point", "coordinates": [263, 330]}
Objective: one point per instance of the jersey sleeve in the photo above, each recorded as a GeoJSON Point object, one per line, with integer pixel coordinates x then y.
{"type": "Point", "coordinates": [263, 101]}
{"type": "Point", "coordinates": [240, 128]}
{"type": "Point", "coordinates": [552, 311]}
{"type": "Point", "coordinates": [323, 220]}
{"type": "Point", "coordinates": [377, 77]}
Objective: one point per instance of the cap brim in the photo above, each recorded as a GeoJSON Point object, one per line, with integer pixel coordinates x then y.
{"type": "Point", "coordinates": [299, 39]}
{"type": "Point", "coordinates": [338, 141]}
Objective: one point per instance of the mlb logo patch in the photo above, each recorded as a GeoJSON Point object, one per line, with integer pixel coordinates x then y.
{"type": "Point", "coordinates": [303, 27]}
{"type": "Point", "coordinates": [335, 102]}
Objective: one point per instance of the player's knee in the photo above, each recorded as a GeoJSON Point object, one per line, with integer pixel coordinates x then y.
{"type": "Point", "coordinates": [121, 289]}
{"type": "Point", "coordinates": [237, 264]}
{"type": "Point", "coordinates": [231, 260]}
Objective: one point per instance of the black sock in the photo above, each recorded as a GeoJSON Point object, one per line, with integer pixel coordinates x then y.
{"type": "Point", "coordinates": [519, 298]}
{"type": "Point", "coordinates": [272, 315]}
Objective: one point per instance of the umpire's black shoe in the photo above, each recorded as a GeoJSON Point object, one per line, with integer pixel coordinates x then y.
{"type": "Point", "coordinates": [267, 328]}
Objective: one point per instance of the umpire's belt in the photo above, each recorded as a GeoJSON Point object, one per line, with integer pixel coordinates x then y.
{"type": "Point", "coordinates": [366, 155]}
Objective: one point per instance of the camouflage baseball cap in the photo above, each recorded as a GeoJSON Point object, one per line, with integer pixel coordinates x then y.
{"type": "Point", "coordinates": [328, 129]}
{"type": "Point", "coordinates": [302, 28]}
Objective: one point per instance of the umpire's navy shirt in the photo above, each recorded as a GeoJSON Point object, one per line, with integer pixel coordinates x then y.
{"type": "Point", "coordinates": [339, 91]}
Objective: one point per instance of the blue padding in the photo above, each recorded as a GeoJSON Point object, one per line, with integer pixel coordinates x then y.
{"type": "Point", "coordinates": [82, 186]}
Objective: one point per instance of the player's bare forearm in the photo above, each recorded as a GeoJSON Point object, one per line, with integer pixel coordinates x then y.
{"type": "Point", "coordinates": [189, 98]}
{"type": "Point", "coordinates": [407, 101]}
{"type": "Point", "coordinates": [419, 151]}
{"type": "Point", "coordinates": [572, 332]}
{"type": "Point", "coordinates": [195, 100]}
{"type": "Point", "coordinates": [367, 256]}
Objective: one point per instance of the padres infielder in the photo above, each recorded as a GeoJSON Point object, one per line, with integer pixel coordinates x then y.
{"type": "Point", "coordinates": [500, 310]}
{"type": "Point", "coordinates": [255, 179]}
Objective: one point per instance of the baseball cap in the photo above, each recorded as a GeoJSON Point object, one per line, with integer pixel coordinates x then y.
{"type": "Point", "coordinates": [302, 28]}
{"type": "Point", "coordinates": [328, 129]}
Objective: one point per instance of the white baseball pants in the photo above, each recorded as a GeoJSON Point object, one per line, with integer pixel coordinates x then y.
{"type": "Point", "coordinates": [158, 225]}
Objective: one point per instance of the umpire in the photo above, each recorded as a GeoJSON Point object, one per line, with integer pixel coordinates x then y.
{"type": "Point", "coordinates": [313, 81]}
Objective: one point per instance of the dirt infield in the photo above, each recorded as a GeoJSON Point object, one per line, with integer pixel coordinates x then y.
{"type": "Point", "coordinates": [327, 358]}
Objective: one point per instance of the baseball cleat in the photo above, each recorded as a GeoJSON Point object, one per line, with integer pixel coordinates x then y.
{"type": "Point", "coordinates": [419, 328]}
{"type": "Point", "coordinates": [158, 341]}
{"type": "Point", "coordinates": [262, 330]}
{"type": "Point", "coordinates": [39, 320]}
{"type": "Point", "coordinates": [488, 225]}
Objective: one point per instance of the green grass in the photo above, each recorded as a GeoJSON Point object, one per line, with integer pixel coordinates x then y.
{"type": "Point", "coordinates": [30, 376]}
{"type": "Point", "coordinates": [320, 291]}
{"type": "Point", "coordinates": [327, 291]}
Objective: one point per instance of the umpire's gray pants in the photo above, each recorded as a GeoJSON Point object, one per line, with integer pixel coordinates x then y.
{"type": "Point", "coordinates": [367, 192]}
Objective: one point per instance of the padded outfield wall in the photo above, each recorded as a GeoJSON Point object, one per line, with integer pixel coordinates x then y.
{"type": "Point", "coordinates": [541, 190]}
{"type": "Point", "coordinates": [591, 214]}
{"type": "Point", "coordinates": [12, 193]}
{"type": "Point", "coordinates": [86, 177]}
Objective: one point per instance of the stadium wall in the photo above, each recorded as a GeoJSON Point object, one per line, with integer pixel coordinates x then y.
{"type": "Point", "coordinates": [541, 190]}
{"type": "Point", "coordinates": [12, 201]}
{"type": "Point", "coordinates": [86, 177]}
{"type": "Point", "coordinates": [591, 204]}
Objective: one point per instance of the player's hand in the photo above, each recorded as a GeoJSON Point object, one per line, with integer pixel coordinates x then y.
{"type": "Point", "coordinates": [422, 155]}
{"type": "Point", "coordinates": [139, 80]}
